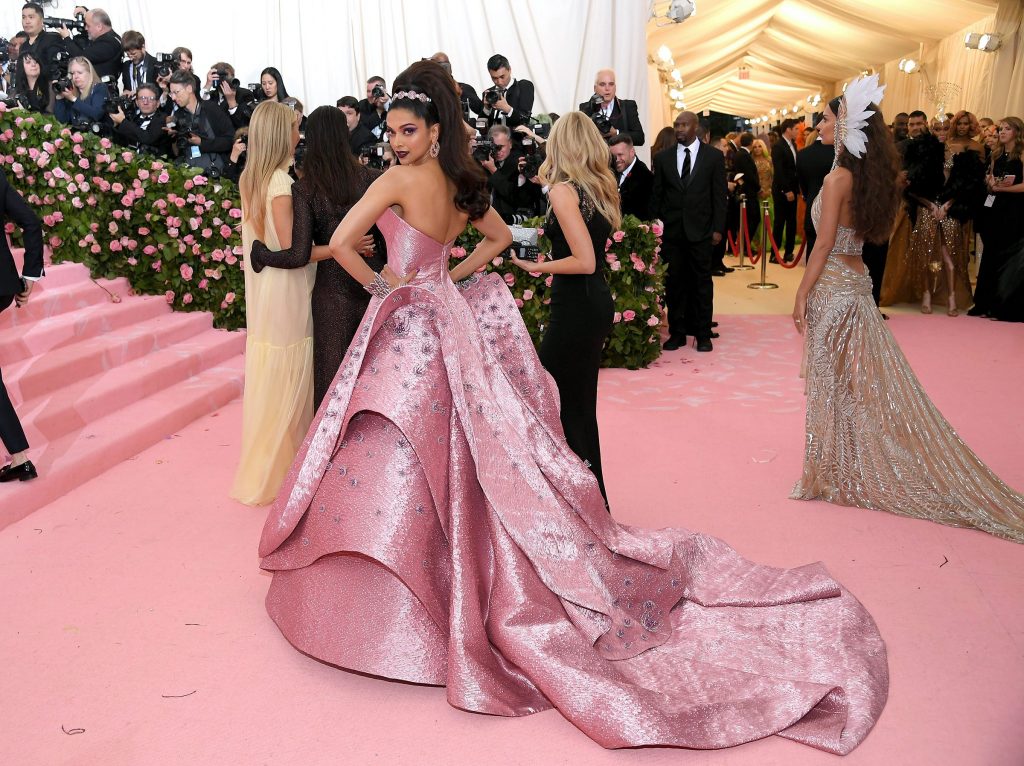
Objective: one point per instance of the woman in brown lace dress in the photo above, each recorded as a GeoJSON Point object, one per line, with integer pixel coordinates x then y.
{"type": "Point", "coordinates": [873, 437]}
{"type": "Point", "coordinates": [333, 181]}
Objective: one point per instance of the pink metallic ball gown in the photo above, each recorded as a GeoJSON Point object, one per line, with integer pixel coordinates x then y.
{"type": "Point", "coordinates": [435, 528]}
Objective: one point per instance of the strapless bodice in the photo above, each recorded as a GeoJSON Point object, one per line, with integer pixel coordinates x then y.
{"type": "Point", "coordinates": [847, 241]}
{"type": "Point", "coordinates": [409, 249]}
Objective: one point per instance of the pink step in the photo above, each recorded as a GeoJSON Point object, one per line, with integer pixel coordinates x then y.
{"type": "Point", "coordinates": [58, 275]}
{"type": "Point", "coordinates": [76, 458]}
{"type": "Point", "coordinates": [37, 376]}
{"type": "Point", "coordinates": [82, 402]}
{"type": "Point", "coordinates": [52, 301]}
{"type": "Point", "coordinates": [50, 333]}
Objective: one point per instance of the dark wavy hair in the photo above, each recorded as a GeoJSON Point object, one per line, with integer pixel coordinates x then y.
{"type": "Point", "coordinates": [875, 198]}
{"type": "Point", "coordinates": [38, 96]}
{"type": "Point", "coordinates": [330, 170]}
{"type": "Point", "coordinates": [282, 92]}
{"type": "Point", "coordinates": [444, 109]}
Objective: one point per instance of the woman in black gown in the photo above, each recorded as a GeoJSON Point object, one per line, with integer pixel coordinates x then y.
{"type": "Point", "coordinates": [584, 210]}
{"type": "Point", "coordinates": [333, 181]}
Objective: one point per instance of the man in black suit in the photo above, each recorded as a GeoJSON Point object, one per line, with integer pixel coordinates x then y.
{"type": "Point", "coordinates": [140, 66]}
{"type": "Point", "coordinates": [917, 126]}
{"type": "Point", "coordinates": [103, 47]}
{"type": "Point", "coordinates": [39, 41]}
{"type": "Point", "coordinates": [635, 179]}
{"type": "Point", "coordinates": [621, 113]}
{"type": "Point", "coordinates": [468, 97]}
{"type": "Point", "coordinates": [143, 128]}
{"type": "Point", "coordinates": [748, 183]}
{"type": "Point", "coordinates": [373, 110]}
{"type": "Point", "coordinates": [359, 137]}
{"type": "Point", "coordinates": [813, 163]}
{"type": "Point", "coordinates": [17, 289]}
{"type": "Point", "coordinates": [689, 197]}
{"type": "Point", "coordinates": [785, 187]}
{"type": "Point", "coordinates": [506, 184]}
{"type": "Point", "coordinates": [510, 101]}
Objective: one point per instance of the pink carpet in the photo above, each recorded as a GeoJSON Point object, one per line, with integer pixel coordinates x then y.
{"type": "Point", "coordinates": [134, 629]}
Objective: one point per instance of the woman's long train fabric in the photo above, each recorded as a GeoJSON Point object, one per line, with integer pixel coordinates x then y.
{"type": "Point", "coordinates": [435, 528]}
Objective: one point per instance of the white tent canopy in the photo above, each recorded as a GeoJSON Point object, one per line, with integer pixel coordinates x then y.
{"type": "Point", "coordinates": [797, 48]}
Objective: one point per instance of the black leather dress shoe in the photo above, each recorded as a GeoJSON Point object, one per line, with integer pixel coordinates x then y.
{"type": "Point", "coordinates": [713, 335]}
{"type": "Point", "coordinates": [705, 345]}
{"type": "Point", "coordinates": [728, 269]}
{"type": "Point", "coordinates": [773, 259]}
{"type": "Point", "coordinates": [674, 343]}
{"type": "Point", "coordinates": [22, 472]}
{"type": "Point", "coordinates": [718, 273]}
{"type": "Point", "coordinates": [714, 324]}
{"type": "Point", "coordinates": [974, 311]}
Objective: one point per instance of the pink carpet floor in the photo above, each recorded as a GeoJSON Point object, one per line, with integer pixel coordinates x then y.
{"type": "Point", "coordinates": [133, 629]}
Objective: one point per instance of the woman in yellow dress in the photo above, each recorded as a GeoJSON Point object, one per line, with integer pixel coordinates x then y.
{"type": "Point", "coordinates": [278, 403]}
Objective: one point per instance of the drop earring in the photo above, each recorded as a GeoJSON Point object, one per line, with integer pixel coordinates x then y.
{"type": "Point", "coordinates": [435, 149]}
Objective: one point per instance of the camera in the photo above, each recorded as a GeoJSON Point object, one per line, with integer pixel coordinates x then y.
{"type": "Point", "coordinates": [113, 101]}
{"type": "Point", "coordinates": [378, 92]}
{"type": "Point", "coordinates": [181, 123]}
{"type": "Point", "coordinates": [604, 125]}
{"type": "Point", "coordinates": [493, 95]}
{"type": "Point", "coordinates": [220, 76]}
{"type": "Point", "coordinates": [485, 149]}
{"type": "Point", "coordinates": [59, 59]}
{"type": "Point", "coordinates": [531, 163]}
{"type": "Point", "coordinates": [300, 150]}
{"type": "Point", "coordinates": [374, 155]}
{"type": "Point", "coordinates": [166, 64]}
{"type": "Point", "coordinates": [5, 50]}
{"type": "Point", "coordinates": [524, 244]}
{"type": "Point", "coordinates": [77, 24]}
{"type": "Point", "coordinates": [541, 129]}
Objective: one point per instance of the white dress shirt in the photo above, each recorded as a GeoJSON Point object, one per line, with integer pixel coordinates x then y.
{"type": "Point", "coordinates": [681, 155]}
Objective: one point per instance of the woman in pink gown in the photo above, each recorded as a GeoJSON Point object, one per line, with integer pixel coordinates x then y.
{"type": "Point", "coordinates": [436, 528]}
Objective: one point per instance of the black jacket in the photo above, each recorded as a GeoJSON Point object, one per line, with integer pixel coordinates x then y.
{"type": "Point", "coordinates": [216, 131]}
{"type": "Point", "coordinates": [813, 163]}
{"type": "Point", "coordinates": [784, 178]}
{"type": "Point", "coordinates": [520, 97]}
{"type": "Point", "coordinates": [750, 184]}
{"type": "Point", "coordinates": [246, 102]}
{"type": "Point", "coordinates": [149, 132]}
{"type": "Point", "coordinates": [41, 48]}
{"type": "Point", "coordinates": [360, 138]}
{"type": "Point", "coordinates": [148, 73]}
{"type": "Point", "coordinates": [635, 191]}
{"type": "Point", "coordinates": [694, 209]}
{"type": "Point", "coordinates": [469, 96]}
{"type": "Point", "coordinates": [625, 118]}
{"type": "Point", "coordinates": [105, 53]}
{"type": "Point", "coordinates": [14, 208]}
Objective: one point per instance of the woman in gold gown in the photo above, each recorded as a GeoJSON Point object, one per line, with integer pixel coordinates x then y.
{"type": "Point", "coordinates": [873, 437]}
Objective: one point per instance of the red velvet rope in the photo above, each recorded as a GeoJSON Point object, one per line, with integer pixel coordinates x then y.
{"type": "Point", "coordinates": [732, 244]}
{"type": "Point", "coordinates": [775, 247]}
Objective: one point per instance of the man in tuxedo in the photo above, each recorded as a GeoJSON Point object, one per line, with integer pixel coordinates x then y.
{"type": "Point", "coordinates": [140, 66]}
{"type": "Point", "coordinates": [635, 179]}
{"type": "Point", "coordinates": [813, 163]}
{"type": "Point", "coordinates": [504, 180]}
{"type": "Point", "coordinates": [103, 46]}
{"type": "Point", "coordinates": [359, 137]}
{"type": "Point", "coordinates": [144, 127]}
{"type": "Point", "coordinates": [468, 97]}
{"type": "Point", "coordinates": [689, 196]}
{"type": "Point", "coordinates": [15, 288]}
{"type": "Point", "coordinates": [620, 112]}
{"type": "Point", "coordinates": [510, 101]}
{"type": "Point", "coordinates": [748, 183]}
{"type": "Point", "coordinates": [373, 110]}
{"type": "Point", "coordinates": [785, 186]}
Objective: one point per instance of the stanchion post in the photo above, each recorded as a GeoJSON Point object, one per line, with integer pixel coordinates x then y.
{"type": "Point", "coordinates": [741, 266]}
{"type": "Point", "coordinates": [765, 250]}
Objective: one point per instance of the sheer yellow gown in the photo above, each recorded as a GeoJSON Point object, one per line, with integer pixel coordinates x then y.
{"type": "Point", "coordinates": [277, 406]}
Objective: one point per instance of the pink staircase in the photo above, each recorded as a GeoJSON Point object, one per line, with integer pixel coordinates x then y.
{"type": "Point", "coordinates": [96, 382]}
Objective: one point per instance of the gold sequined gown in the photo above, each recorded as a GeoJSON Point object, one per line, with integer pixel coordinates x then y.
{"type": "Point", "coordinates": [873, 437]}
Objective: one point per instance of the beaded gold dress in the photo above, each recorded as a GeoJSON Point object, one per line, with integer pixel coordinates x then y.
{"type": "Point", "coordinates": [873, 437]}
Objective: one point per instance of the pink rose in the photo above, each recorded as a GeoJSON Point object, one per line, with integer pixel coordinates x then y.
{"type": "Point", "coordinates": [143, 174]}
{"type": "Point", "coordinates": [83, 163]}
{"type": "Point", "coordinates": [55, 242]}
{"type": "Point", "coordinates": [112, 227]}
{"type": "Point", "coordinates": [164, 177]}
{"type": "Point", "coordinates": [519, 303]}
{"type": "Point", "coordinates": [235, 212]}
{"type": "Point", "coordinates": [226, 204]}
{"type": "Point", "coordinates": [144, 231]}
{"type": "Point", "coordinates": [169, 295]}
{"type": "Point", "coordinates": [225, 231]}
{"type": "Point", "coordinates": [657, 228]}
{"type": "Point", "coordinates": [457, 252]}
{"type": "Point", "coordinates": [510, 279]}
{"type": "Point", "coordinates": [607, 244]}
{"type": "Point", "coordinates": [629, 315]}
{"type": "Point", "coordinates": [527, 294]}
{"type": "Point", "coordinates": [619, 236]}
{"type": "Point", "coordinates": [617, 318]}
{"type": "Point", "coordinates": [186, 298]}
{"type": "Point", "coordinates": [497, 261]}
{"type": "Point", "coordinates": [149, 250]}
{"type": "Point", "coordinates": [133, 261]}
{"type": "Point", "coordinates": [186, 272]}
{"type": "Point", "coordinates": [115, 246]}
{"type": "Point", "coordinates": [156, 265]}
{"type": "Point", "coordinates": [117, 188]}
{"type": "Point", "coordinates": [616, 266]}
{"type": "Point", "coordinates": [106, 143]}
{"type": "Point", "coordinates": [204, 284]}
{"type": "Point", "coordinates": [95, 249]}
{"type": "Point", "coordinates": [549, 280]}
{"type": "Point", "coordinates": [77, 202]}
{"type": "Point", "coordinates": [230, 260]}
{"type": "Point", "coordinates": [207, 232]}
{"type": "Point", "coordinates": [653, 321]}
{"type": "Point", "coordinates": [229, 298]}
{"type": "Point", "coordinates": [172, 231]}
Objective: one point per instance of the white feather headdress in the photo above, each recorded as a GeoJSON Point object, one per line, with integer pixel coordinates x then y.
{"type": "Point", "coordinates": [854, 113]}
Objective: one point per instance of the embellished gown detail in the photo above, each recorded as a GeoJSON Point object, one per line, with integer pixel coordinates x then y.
{"type": "Point", "coordinates": [436, 528]}
{"type": "Point", "coordinates": [873, 437]}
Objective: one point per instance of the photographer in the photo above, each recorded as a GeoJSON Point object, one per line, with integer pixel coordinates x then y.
{"type": "Point", "coordinates": [81, 95]}
{"type": "Point", "coordinates": [509, 101]}
{"type": "Point", "coordinates": [10, 67]}
{"type": "Point", "coordinates": [32, 84]}
{"type": "Point", "coordinates": [236, 160]}
{"type": "Point", "coordinates": [140, 67]}
{"type": "Point", "coordinates": [613, 116]}
{"type": "Point", "coordinates": [39, 42]}
{"type": "Point", "coordinates": [511, 194]}
{"type": "Point", "coordinates": [202, 132]}
{"type": "Point", "coordinates": [181, 61]}
{"type": "Point", "coordinates": [373, 110]}
{"type": "Point", "coordinates": [143, 128]}
{"type": "Point", "coordinates": [359, 136]}
{"type": "Point", "coordinates": [103, 47]}
{"type": "Point", "coordinates": [224, 90]}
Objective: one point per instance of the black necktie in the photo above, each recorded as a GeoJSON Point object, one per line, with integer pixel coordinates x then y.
{"type": "Point", "coordinates": [686, 164]}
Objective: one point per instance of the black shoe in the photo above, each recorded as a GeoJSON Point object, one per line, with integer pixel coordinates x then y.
{"type": "Point", "coordinates": [773, 259]}
{"type": "Point", "coordinates": [674, 343]}
{"type": "Point", "coordinates": [974, 311]}
{"type": "Point", "coordinates": [713, 335]}
{"type": "Point", "coordinates": [714, 324]}
{"type": "Point", "coordinates": [884, 315]}
{"type": "Point", "coordinates": [705, 345]}
{"type": "Point", "coordinates": [728, 269]}
{"type": "Point", "coordinates": [719, 272]}
{"type": "Point", "coordinates": [22, 472]}
{"type": "Point", "coordinates": [788, 258]}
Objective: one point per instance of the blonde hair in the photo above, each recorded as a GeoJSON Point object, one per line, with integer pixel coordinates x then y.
{"type": "Point", "coordinates": [269, 150]}
{"type": "Point", "coordinates": [764, 148]}
{"type": "Point", "coordinates": [576, 152]}
{"type": "Point", "coordinates": [90, 70]}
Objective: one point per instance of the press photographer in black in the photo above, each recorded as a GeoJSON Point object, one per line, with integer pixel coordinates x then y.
{"type": "Point", "coordinates": [507, 184]}
{"type": "Point", "coordinates": [373, 110]}
{"type": "Point", "coordinates": [224, 90]}
{"type": "Point", "coordinates": [509, 101]}
{"type": "Point", "coordinates": [103, 47]}
{"type": "Point", "coordinates": [10, 67]}
{"type": "Point", "coordinates": [140, 66]}
{"type": "Point", "coordinates": [202, 133]}
{"type": "Point", "coordinates": [32, 84]}
{"type": "Point", "coordinates": [143, 127]}
{"type": "Point", "coordinates": [40, 41]}
{"type": "Point", "coordinates": [612, 115]}
{"type": "Point", "coordinates": [81, 95]}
